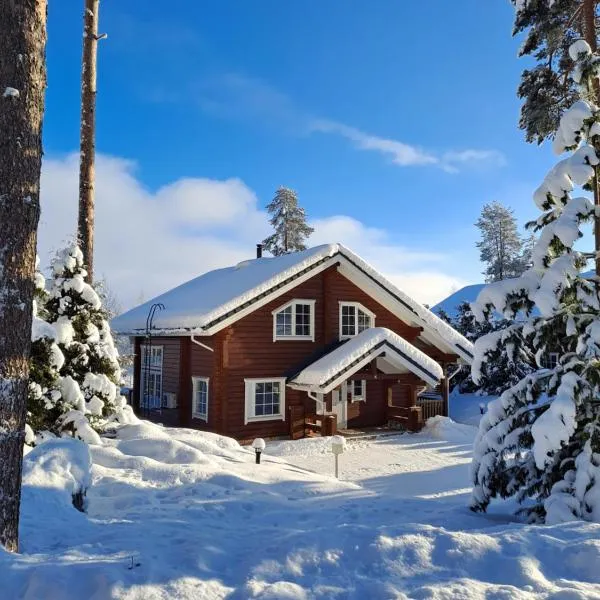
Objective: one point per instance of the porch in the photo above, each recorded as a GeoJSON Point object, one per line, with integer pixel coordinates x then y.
{"type": "Point", "coordinates": [375, 380]}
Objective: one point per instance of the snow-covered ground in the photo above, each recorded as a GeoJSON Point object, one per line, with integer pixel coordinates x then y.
{"type": "Point", "coordinates": [466, 408]}
{"type": "Point", "coordinates": [180, 514]}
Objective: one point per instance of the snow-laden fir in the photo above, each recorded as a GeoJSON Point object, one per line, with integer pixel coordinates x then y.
{"type": "Point", "coordinates": [540, 440]}
{"type": "Point", "coordinates": [74, 368]}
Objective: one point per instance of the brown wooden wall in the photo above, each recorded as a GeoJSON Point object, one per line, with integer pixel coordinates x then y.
{"type": "Point", "coordinates": [246, 350]}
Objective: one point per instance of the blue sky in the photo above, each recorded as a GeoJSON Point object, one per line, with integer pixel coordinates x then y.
{"type": "Point", "coordinates": [398, 118]}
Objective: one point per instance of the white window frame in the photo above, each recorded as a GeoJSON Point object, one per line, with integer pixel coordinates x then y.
{"type": "Point", "coordinates": [156, 369]}
{"type": "Point", "coordinates": [293, 303]}
{"type": "Point", "coordinates": [362, 397]}
{"type": "Point", "coordinates": [195, 385]}
{"type": "Point", "coordinates": [250, 402]}
{"type": "Point", "coordinates": [357, 306]}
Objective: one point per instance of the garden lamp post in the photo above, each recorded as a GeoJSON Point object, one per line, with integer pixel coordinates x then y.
{"type": "Point", "coordinates": [259, 445]}
{"type": "Point", "coordinates": [338, 445]}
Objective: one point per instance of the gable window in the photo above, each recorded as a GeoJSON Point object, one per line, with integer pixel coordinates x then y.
{"type": "Point", "coordinates": [265, 400]}
{"type": "Point", "coordinates": [200, 398]}
{"type": "Point", "coordinates": [295, 321]}
{"type": "Point", "coordinates": [151, 376]}
{"type": "Point", "coordinates": [354, 318]}
{"type": "Point", "coordinates": [358, 390]}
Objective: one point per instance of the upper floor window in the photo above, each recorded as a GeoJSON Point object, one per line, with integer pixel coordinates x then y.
{"type": "Point", "coordinates": [354, 318]}
{"type": "Point", "coordinates": [295, 321]}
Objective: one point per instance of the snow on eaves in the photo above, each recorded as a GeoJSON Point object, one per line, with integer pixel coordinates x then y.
{"type": "Point", "coordinates": [194, 306]}
{"type": "Point", "coordinates": [346, 360]}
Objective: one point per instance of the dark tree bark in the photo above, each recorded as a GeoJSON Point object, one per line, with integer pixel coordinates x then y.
{"type": "Point", "coordinates": [85, 223]}
{"type": "Point", "coordinates": [589, 29]}
{"type": "Point", "coordinates": [22, 87]}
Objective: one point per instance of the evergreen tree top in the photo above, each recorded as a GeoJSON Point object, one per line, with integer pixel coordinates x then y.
{"type": "Point", "coordinates": [288, 219]}
{"type": "Point", "coordinates": [550, 27]}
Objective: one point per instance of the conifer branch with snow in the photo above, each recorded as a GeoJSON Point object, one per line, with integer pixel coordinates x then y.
{"type": "Point", "coordinates": [75, 372]}
{"type": "Point", "coordinates": [540, 440]}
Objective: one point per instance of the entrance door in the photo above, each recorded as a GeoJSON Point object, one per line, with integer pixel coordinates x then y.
{"type": "Point", "coordinates": [339, 401]}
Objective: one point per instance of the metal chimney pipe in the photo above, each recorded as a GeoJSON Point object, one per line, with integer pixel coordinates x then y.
{"type": "Point", "coordinates": [259, 249]}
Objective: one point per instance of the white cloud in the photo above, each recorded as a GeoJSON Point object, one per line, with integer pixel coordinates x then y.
{"type": "Point", "coordinates": [454, 161]}
{"type": "Point", "coordinates": [237, 96]}
{"type": "Point", "coordinates": [422, 274]}
{"type": "Point", "coordinates": [401, 154]}
{"type": "Point", "coordinates": [148, 242]}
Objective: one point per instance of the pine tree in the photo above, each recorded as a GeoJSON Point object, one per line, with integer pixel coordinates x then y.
{"type": "Point", "coordinates": [91, 373]}
{"type": "Point", "coordinates": [540, 440]}
{"type": "Point", "coordinates": [289, 221]}
{"type": "Point", "coordinates": [22, 89]}
{"type": "Point", "coordinates": [501, 247]}
{"type": "Point", "coordinates": [550, 27]}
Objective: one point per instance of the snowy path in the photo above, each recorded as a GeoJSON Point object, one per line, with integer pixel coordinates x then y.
{"type": "Point", "coordinates": [204, 522]}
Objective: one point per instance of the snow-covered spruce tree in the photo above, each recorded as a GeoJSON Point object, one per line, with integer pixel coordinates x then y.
{"type": "Point", "coordinates": [289, 222]}
{"type": "Point", "coordinates": [44, 399]}
{"type": "Point", "coordinates": [501, 246]}
{"type": "Point", "coordinates": [91, 373]}
{"type": "Point", "coordinates": [540, 441]}
{"type": "Point", "coordinates": [546, 90]}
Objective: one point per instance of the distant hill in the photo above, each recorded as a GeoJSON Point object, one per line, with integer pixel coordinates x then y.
{"type": "Point", "coordinates": [450, 304]}
{"type": "Point", "coordinates": [468, 293]}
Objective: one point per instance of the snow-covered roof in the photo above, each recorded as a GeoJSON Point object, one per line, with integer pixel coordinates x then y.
{"type": "Point", "coordinates": [211, 301]}
{"type": "Point", "coordinates": [328, 372]}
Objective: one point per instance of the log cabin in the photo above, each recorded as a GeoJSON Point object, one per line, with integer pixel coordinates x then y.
{"type": "Point", "coordinates": [305, 343]}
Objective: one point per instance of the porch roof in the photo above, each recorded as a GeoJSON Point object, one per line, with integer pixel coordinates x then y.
{"type": "Point", "coordinates": [393, 354]}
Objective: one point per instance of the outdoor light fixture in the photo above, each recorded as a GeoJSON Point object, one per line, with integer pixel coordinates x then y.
{"type": "Point", "coordinates": [259, 445]}
{"type": "Point", "coordinates": [338, 445]}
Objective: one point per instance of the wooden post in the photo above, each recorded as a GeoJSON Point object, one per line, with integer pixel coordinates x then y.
{"type": "Point", "coordinates": [445, 385]}
{"type": "Point", "coordinates": [22, 89]}
{"type": "Point", "coordinates": [85, 222]}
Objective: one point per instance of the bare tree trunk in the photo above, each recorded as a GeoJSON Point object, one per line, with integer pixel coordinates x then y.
{"type": "Point", "coordinates": [22, 87]}
{"type": "Point", "coordinates": [589, 28]}
{"type": "Point", "coordinates": [85, 223]}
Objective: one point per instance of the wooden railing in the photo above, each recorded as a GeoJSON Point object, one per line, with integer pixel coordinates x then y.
{"type": "Point", "coordinates": [320, 425]}
{"type": "Point", "coordinates": [410, 418]}
{"type": "Point", "coordinates": [302, 424]}
{"type": "Point", "coordinates": [431, 407]}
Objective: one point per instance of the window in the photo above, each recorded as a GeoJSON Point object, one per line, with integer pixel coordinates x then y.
{"type": "Point", "coordinates": [550, 360]}
{"type": "Point", "coordinates": [265, 400]}
{"type": "Point", "coordinates": [354, 318]}
{"type": "Point", "coordinates": [358, 390]}
{"type": "Point", "coordinates": [151, 376]}
{"type": "Point", "coordinates": [200, 398]}
{"type": "Point", "coordinates": [295, 321]}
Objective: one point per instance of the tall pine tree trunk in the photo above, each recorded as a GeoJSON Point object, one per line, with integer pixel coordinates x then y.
{"type": "Point", "coordinates": [85, 223]}
{"type": "Point", "coordinates": [22, 87]}
{"type": "Point", "coordinates": [589, 28]}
